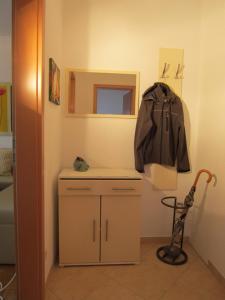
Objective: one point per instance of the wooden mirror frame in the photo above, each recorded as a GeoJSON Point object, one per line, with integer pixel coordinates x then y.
{"type": "Point", "coordinates": [70, 94]}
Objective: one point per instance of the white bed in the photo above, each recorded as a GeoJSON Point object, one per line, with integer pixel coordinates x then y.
{"type": "Point", "coordinates": [7, 234]}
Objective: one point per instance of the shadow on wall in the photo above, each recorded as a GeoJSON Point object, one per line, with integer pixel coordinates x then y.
{"type": "Point", "coordinates": [187, 124]}
{"type": "Point", "coordinates": [188, 130]}
{"type": "Point", "coordinates": [199, 209]}
{"type": "Point", "coordinates": [204, 223]}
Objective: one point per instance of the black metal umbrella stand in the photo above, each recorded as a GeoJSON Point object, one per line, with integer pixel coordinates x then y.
{"type": "Point", "coordinates": [173, 253]}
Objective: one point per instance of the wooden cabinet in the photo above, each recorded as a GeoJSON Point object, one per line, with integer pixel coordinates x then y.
{"type": "Point", "coordinates": [99, 218]}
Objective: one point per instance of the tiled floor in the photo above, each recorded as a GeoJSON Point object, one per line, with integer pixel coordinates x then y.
{"type": "Point", "coordinates": [6, 273]}
{"type": "Point", "coordinates": [150, 280]}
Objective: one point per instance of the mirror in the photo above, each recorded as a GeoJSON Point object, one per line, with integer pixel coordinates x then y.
{"type": "Point", "coordinates": [102, 93]}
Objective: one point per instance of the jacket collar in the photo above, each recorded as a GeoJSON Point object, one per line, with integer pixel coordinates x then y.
{"type": "Point", "coordinates": [159, 92]}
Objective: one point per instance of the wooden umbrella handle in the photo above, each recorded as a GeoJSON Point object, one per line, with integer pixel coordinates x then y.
{"type": "Point", "coordinates": [199, 173]}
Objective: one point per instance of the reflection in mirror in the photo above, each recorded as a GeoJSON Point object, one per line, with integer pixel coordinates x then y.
{"type": "Point", "coordinates": [109, 99]}
{"type": "Point", "coordinates": [102, 93]}
{"type": "Point", "coordinates": [7, 222]}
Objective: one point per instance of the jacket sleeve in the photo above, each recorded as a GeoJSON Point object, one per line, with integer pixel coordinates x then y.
{"type": "Point", "coordinates": [182, 152]}
{"type": "Point", "coordinates": [143, 126]}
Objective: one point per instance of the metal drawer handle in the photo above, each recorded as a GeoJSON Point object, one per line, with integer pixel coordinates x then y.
{"type": "Point", "coordinates": [123, 189]}
{"type": "Point", "coordinates": [94, 230]}
{"type": "Point", "coordinates": [78, 189]}
{"type": "Point", "coordinates": [106, 230]}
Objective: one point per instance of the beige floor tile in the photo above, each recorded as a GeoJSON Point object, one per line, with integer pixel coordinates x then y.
{"type": "Point", "coordinates": [78, 284]}
{"type": "Point", "coordinates": [50, 296]}
{"type": "Point", "coordinates": [149, 280]}
{"type": "Point", "coordinates": [112, 291]}
{"type": "Point", "coordinates": [198, 283]}
{"type": "Point", "coordinates": [58, 274]}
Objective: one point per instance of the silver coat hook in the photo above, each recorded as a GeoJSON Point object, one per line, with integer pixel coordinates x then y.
{"type": "Point", "coordinates": [215, 179]}
{"type": "Point", "coordinates": [179, 73]}
{"type": "Point", "coordinates": [165, 70]}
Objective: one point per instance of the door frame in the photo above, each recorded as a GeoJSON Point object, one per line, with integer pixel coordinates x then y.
{"type": "Point", "coordinates": [27, 89]}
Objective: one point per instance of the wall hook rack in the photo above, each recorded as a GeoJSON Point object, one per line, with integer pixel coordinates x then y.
{"type": "Point", "coordinates": [165, 70]}
{"type": "Point", "coordinates": [179, 73]}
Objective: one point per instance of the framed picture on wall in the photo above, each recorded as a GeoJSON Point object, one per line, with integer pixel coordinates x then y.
{"type": "Point", "coordinates": [54, 82]}
{"type": "Point", "coordinates": [5, 109]}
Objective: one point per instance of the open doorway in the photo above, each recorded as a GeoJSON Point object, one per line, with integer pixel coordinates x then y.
{"type": "Point", "coordinates": [8, 289]}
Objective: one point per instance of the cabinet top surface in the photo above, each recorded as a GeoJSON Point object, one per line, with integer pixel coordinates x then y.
{"type": "Point", "coordinates": [100, 173]}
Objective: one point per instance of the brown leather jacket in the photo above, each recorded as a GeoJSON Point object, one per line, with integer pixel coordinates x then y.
{"type": "Point", "coordinates": [160, 133]}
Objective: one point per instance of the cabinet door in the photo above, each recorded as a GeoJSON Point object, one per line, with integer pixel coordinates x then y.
{"type": "Point", "coordinates": [79, 229]}
{"type": "Point", "coordinates": [120, 229]}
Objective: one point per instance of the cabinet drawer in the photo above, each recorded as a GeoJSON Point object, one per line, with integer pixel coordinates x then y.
{"type": "Point", "coordinates": [100, 187]}
{"type": "Point", "coordinates": [78, 187]}
{"type": "Point", "coordinates": [121, 187]}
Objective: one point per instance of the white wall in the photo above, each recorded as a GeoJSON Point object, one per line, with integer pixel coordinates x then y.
{"type": "Point", "coordinates": [128, 38]}
{"type": "Point", "coordinates": [209, 215]}
{"type": "Point", "coordinates": [5, 53]}
{"type": "Point", "coordinates": [52, 130]}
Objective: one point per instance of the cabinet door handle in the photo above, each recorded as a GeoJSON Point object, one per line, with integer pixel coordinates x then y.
{"type": "Point", "coordinates": [106, 230]}
{"type": "Point", "coordinates": [78, 189]}
{"type": "Point", "coordinates": [94, 230]}
{"type": "Point", "coordinates": [123, 189]}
